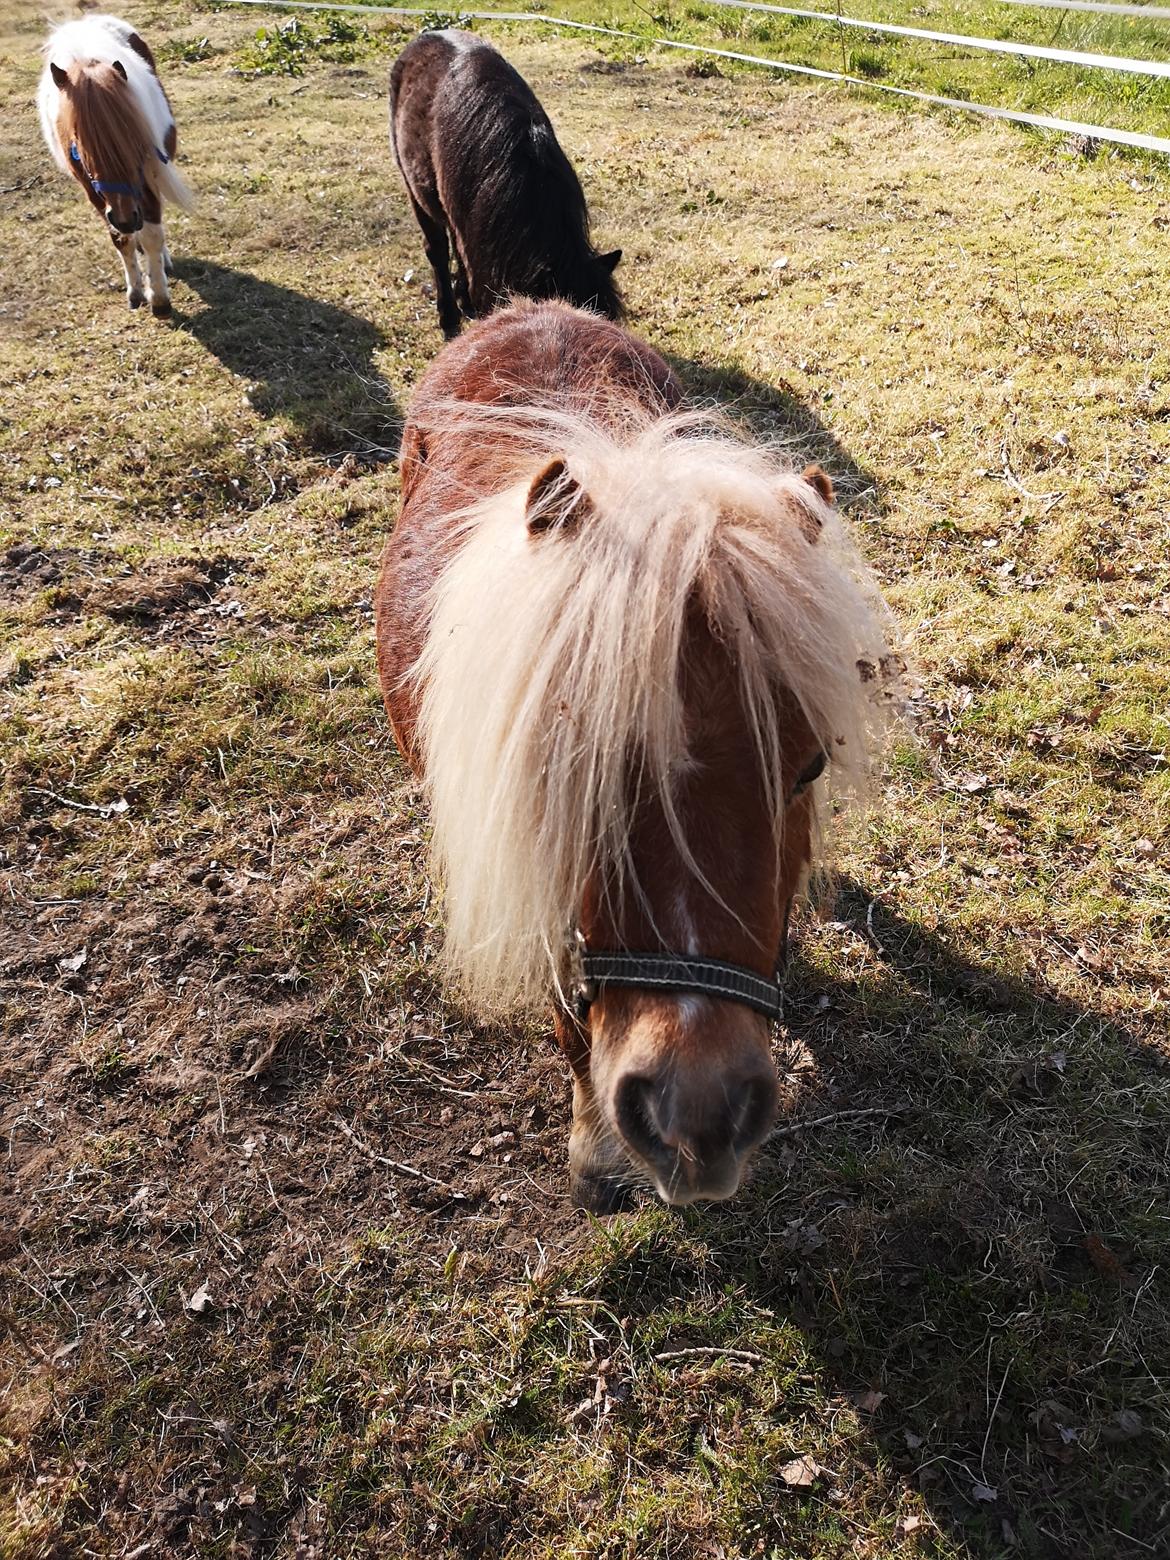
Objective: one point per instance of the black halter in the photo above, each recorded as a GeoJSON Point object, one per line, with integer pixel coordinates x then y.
{"type": "Point", "coordinates": [675, 972]}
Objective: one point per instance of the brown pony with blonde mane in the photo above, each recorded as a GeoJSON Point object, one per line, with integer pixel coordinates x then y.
{"type": "Point", "coordinates": [107, 121]}
{"type": "Point", "coordinates": [621, 646]}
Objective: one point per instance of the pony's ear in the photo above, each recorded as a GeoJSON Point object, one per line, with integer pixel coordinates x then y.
{"type": "Point", "coordinates": [610, 261]}
{"type": "Point", "coordinates": [820, 480]}
{"type": "Point", "coordinates": [141, 48]}
{"type": "Point", "coordinates": [120, 68]}
{"type": "Point", "coordinates": [555, 500]}
{"type": "Point", "coordinates": [60, 77]}
{"type": "Point", "coordinates": [810, 520]}
{"type": "Point", "coordinates": [412, 459]}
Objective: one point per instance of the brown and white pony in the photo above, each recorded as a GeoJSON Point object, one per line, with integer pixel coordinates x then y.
{"type": "Point", "coordinates": [107, 121]}
{"type": "Point", "coordinates": [620, 647]}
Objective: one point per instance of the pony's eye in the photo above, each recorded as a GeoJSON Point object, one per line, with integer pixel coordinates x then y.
{"type": "Point", "coordinates": [808, 774]}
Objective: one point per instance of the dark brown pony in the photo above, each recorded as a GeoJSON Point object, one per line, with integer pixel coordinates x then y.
{"type": "Point", "coordinates": [482, 163]}
{"type": "Point", "coordinates": [619, 646]}
{"type": "Point", "coordinates": [107, 121]}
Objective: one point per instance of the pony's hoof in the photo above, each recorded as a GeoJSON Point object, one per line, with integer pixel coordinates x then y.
{"type": "Point", "coordinates": [135, 300]}
{"type": "Point", "coordinates": [162, 309]}
{"type": "Point", "coordinates": [600, 1194]}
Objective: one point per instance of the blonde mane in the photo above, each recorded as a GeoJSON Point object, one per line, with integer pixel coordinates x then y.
{"type": "Point", "coordinates": [550, 677]}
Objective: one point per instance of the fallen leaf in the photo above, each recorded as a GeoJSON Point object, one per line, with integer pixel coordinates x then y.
{"type": "Point", "coordinates": [1042, 740]}
{"type": "Point", "coordinates": [973, 783]}
{"type": "Point", "coordinates": [866, 1402]}
{"type": "Point", "coordinates": [199, 1301]}
{"type": "Point", "coordinates": [801, 1472]}
{"type": "Point", "coordinates": [904, 1526]}
{"type": "Point", "coordinates": [1124, 1426]}
{"type": "Point", "coordinates": [802, 1238]}
{"type": "Point", "coordinates": [75, 961]}
{"type": "Point", "coordinates": [1107, 1262]}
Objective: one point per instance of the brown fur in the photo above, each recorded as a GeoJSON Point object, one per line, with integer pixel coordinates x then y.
{"type": "Point", "coordinates": [504, 361]}
{"type": "Point", "coordinates": [717, 835]}
{"type": "Point", "coordinates": [485, 174]}
{"type": "Point", "coordinates": [98, 117]}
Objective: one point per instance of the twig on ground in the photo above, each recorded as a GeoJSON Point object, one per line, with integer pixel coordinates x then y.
{"type": "Point", "coordinates": [41, 903]}
{"type": "Point", "coordinates": [731, 1354]}
{"type": "Point", "coordinates": [30, 1345]}
{"type": "Point", "coordinates": [794, 1128]}
{"type": "Point", "coordinates": [1009, 476]}
{"type": "Point", "coordinates": [991, 1416]}
{"type": "Point", "coordinates": [271, 485]}
{"type": "Point", "coordinates": [397, 1164]}
{"type": "Point", "coordinates": [873, 936]}
{"type": "Point", "coordinates": [103, 809]}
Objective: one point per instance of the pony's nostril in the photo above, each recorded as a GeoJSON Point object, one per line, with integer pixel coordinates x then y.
{"type": "Point", "coordinates": [701, 1124]}
{"type": "Point", "coordinates": [635, 1119]}
{"type": "Point", "coordinates": [753, 1107]}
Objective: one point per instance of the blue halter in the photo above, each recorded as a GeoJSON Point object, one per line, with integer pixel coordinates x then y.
{"type": "Point", "coordinates": [114, 186]}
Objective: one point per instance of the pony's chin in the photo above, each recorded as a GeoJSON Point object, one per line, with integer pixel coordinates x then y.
{"type": "Point", "coordinates": [718, 1189]}
{"type": "Point", "coordinates": [687, 1199]}
{"type": "Point", "coordinates": [601, 1194]}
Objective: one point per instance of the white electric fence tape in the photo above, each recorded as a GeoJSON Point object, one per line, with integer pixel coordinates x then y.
{"type": "Point", "coordinates": [1135, 138]}
{"type": "Point", "coordinates": [1157, 13]}
{"type": "Point", "coordinates": [1031, 51]}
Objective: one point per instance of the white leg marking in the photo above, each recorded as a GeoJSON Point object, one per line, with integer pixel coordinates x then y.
{"type": "Point", "coordinates": [153, 247]}
{"type": "Point", "coordinates": [127, 247]}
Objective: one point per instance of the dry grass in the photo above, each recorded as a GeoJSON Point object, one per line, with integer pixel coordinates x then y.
{"type": "Point", "coordinates": [249, 1082]}
{"type": "Point", "coordinates": [1103, 97]}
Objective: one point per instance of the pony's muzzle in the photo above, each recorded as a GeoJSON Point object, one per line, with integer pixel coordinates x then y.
{"type": "Point", "coordinates": [695, 1131]}
{"type": "Point", "coordinates": [131, 225]}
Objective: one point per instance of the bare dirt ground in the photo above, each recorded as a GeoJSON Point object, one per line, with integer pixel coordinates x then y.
{"type": "Point", "coordinates": [288, 1264]}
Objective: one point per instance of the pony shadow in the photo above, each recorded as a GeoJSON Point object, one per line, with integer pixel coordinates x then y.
{"type": "Point", "coordinates": [308, 361]}
{"type": "Point", "coordinates": [962, 1259]}
{"type": "Point", "coordinates": [775, 414]}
